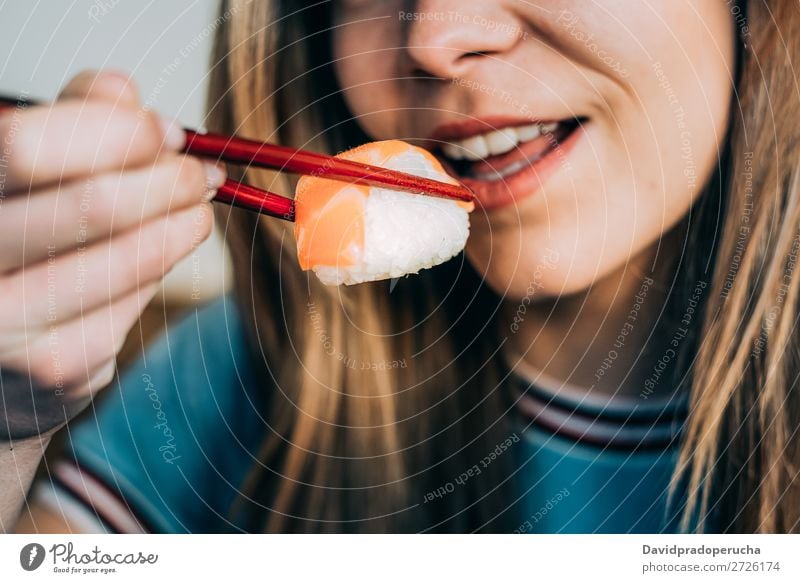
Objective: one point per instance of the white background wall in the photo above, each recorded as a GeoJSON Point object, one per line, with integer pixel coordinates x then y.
{"type": "Point", "coordinates": [164, 44]}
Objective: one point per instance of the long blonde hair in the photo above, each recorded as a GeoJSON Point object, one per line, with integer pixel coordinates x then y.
{"type": "Point", "coordinates": [379, 396]}
{"type": "Point", "coordinates": [367, 400]}
{"type": "Point", "coordinates": [740, 453]}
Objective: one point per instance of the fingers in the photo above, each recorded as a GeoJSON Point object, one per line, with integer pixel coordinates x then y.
{"type": "Point", "coordinates": [75, 138]}
{"type": "Point", "coordinates": [63, 217]}
{"type": "Point", "coordinates": [63, 287]}
{"type": "Point", "coordinates": [112, 86]}
{"type": "Point", "coordinates": [77, 357]}
{"type": "Point", "coordinates": [96, 206]}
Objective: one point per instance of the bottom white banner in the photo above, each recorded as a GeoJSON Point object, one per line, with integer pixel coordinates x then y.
{"type": "Point", "coordinates": [422, 558]}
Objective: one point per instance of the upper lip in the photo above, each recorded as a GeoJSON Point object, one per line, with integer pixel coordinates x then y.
{"type": "Point", "coordinates": [461, 130]}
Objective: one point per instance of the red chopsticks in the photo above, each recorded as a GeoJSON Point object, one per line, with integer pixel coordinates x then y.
{"type": "Point", "coordinates": [253, 153]}
{"type": "Point", "coordinates": [250, 152]}
{"type": "Point", "coordinates": [254, 199]}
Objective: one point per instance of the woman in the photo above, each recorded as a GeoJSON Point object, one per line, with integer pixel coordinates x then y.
{"type": "Point", "coordinates": [615, 354]}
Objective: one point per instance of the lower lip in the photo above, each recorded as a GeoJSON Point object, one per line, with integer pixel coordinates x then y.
{"type": "Point", "coordinates": [497, 194]}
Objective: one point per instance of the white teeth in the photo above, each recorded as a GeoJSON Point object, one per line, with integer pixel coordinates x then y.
{"type": "Point", "coordinates": [501, 141]}
{"type": "Point", "coordinates": [452, 151]}
{"type": "Point", "coordinates": [475, 148]}
{"type": "Point", "coordinates": [500, 174]}
{"type": "Point", "coordinates": [529, 132]}
{"type": "Point", "coordinates": [495, 142]}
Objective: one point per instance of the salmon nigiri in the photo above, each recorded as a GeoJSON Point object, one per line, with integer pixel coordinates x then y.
{"type": "Point", "coordinates": [352, 233]}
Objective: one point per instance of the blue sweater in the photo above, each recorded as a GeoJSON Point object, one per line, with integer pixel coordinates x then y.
{"type": "Point", "coordinates": [168, 450]}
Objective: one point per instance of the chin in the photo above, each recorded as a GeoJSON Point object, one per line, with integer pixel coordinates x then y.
{"type": "Point", "coordinates": [542, 255]}
{"type": "Point", "coordinates": [551, 271]}
{"type": "Point", "coordinates": [533, 277]}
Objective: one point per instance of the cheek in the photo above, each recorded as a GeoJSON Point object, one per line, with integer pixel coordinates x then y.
{"type": "Point", "coordinates": [561, 258]}
{"type": "Point", "coordinates": [614, 203]}
{"type": "Point", "coordinates": [646, 158]}
{"type": "Point", "coordinates": [366, 72]}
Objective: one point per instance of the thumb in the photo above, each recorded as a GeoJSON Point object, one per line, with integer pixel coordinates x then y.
{"type": "Point", "coordinates": [114, 86]}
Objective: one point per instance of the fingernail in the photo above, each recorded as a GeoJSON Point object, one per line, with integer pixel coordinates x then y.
{"type": "Point", "coordinates": [215, 177]}
{"type": "Point", "coordinates": [174, 136]}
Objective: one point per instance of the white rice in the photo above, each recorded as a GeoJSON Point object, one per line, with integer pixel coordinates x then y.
{"type": "Point", "coordinates": [404, 232]}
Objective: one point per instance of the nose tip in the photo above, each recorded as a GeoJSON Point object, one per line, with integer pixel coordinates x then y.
{"type": "Point", "coordinates": [446, 44]}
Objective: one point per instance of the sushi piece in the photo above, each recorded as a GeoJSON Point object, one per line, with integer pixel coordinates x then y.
{"type": "Point", "coordinates": [351, 233]}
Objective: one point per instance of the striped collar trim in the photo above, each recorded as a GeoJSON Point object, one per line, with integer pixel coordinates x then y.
{"type": "Point", "coordinates": [617, 422]}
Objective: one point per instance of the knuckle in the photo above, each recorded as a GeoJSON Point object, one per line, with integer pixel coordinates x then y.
{"type": "Point", "coordinates": [7, 289]}
{"type": "Point", "coordinates": [22, 143]}
{"type": "Point", "coordinates": [148, 250]}
{"type": "Point", "coordinates": [204, 222]}
{"type": "Point", "coordinates": [177, 240]}
{"type": "Point", "coordinates": [151, 132]}
{"type": "Point", "coordinates": [118, 131]}
{"type": "Point", "coordinates": [120, 333]}
{"type": "Point", "coordinates": [11, 294]}
{"type": "Point", "coordinates": [45, 368]}
{"type": "Point", "coordinates": [98, 381]}
{"type": "Point", "coordinates": [105, 376]}
{"type": "Point", "coordinates": [125, 134]}
{"type": "Point", "coordinates": [190, 182]}
{"type": "Point", "coordinates": [101, 347]}
{"type": "Point", "coordinates": [96, 199]}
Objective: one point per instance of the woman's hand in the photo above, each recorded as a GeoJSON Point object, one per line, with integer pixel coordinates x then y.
{"type": "Point", "coordinates": [96, 205]}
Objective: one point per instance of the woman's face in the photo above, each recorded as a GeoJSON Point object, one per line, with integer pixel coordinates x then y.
{"type": "Point", "coordinates": [586, 129]}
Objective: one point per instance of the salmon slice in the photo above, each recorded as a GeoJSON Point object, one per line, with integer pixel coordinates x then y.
{"type": "Point", "coordinates": [329, 214]}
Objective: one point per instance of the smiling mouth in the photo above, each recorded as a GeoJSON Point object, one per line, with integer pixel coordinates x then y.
{"type": "Point", "coordinates": [509, 162]}
{"type": "Point", "coordinates": [499, 154]}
